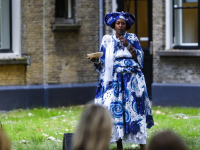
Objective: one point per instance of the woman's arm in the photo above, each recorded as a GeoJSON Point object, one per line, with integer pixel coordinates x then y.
{"type": "Point", "coordinates": [94, 59]}
{"type": "Point", "coordinates": [131, 49]}
{"type": "Point", "coordinates": [99, 63]}
{"type": "Point", "coordinates": [133, 45]}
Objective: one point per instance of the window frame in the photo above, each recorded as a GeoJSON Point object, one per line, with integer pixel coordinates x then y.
{"type": "Point", "coordinates": [185, 45]}
{"type": "Point", "coordinates": [5, 50]}
{"type": "Point", "coordinates": [69, 19]}
{"type": "Point", "coordinates": [15, 30]}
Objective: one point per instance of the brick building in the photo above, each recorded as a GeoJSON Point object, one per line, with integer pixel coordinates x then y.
{"type": "Point", "coordinates": [43, 47]}
{"type": "Point", "coordinates": [45, 51]}
{"type": "Point", "coordinates": [176, 57]}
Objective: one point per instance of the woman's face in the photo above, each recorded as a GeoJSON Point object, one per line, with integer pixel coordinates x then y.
{"type": "Point", "coordinates": [120, 25]}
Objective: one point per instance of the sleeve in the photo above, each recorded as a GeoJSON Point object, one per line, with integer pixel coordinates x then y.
{"type": "Point", "coordinates": [138, 50]}
{"type": "Point", "coordinates": [100, 68]}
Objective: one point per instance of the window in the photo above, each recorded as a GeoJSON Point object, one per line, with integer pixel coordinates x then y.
{"type": "Point", "coordinates": [5, 26]}
{"type": "Point", "coordinates": [185, 24]}
{"type": "Point", "coordinates": [10, 34]}
{"type": "Point", "coordinates": [64, 16]}
{"type": "Point", "coordinates": [63, 11]}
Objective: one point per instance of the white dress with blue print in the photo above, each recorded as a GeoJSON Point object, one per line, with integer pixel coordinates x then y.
{"type": "Point", "coordinates": [126, 95]}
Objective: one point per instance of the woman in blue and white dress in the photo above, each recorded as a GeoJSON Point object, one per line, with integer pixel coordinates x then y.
{"type": "Point", "coordinates": [122, 88]}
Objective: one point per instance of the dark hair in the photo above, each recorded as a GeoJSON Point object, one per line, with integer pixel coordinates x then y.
{"type": "Point", "coordinates": [166, 140]}
{"type": "Point", "coordinates": [127, 25]}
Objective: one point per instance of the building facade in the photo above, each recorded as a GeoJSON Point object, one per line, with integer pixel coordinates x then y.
{"type": "Point", "coordinates": [44, 45]}
{"type": "Point", "coordinates": [55, 50]}
{"type": "Point", "coordinates": [176, 52]}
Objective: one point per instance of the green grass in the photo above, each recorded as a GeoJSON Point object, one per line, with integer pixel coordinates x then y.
{"type": "Point", "coordinates": [31, 129]}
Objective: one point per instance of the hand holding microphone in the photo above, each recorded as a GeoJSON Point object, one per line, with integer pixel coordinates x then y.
{"type": "Point", "coordinates": [122, 39]}
{"type": "Point", "coordinates": [121, 35]}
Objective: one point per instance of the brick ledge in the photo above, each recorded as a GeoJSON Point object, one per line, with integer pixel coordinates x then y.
{"type": "Point", "coordinates": [65, 27]}
{"type": "Point", "coordinates": [189, 53]}
{"type": "Point", "coordinates": [14, 61]}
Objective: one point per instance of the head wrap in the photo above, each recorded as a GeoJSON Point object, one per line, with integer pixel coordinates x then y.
{"type": "Point", "coordinates": [114, 16]}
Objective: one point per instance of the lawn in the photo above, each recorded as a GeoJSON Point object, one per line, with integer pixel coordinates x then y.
{"type": "Point", "coordinates": [43, 129]}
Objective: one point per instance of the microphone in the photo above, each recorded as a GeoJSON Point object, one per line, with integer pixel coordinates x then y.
{"type": "Point", "coordinates": [122, 35]}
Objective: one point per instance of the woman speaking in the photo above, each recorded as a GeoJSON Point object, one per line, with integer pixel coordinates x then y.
{"type": "Point", "coordinates": [122, 88]}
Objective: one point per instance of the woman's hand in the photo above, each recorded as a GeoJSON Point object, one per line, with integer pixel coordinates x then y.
{"type": "Point", "coordinates": [123, 41]}
{"type": "Point", "coordinates": [131, 49]}
{"type": "Point", "coordinates": [93, 59]}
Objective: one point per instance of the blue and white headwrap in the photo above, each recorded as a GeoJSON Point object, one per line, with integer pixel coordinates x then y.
{"type": "Point", "coordinates": [114, 16]}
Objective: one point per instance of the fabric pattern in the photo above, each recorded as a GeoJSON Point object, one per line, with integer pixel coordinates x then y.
{"type": "Point", "coordinates": [126, 95]}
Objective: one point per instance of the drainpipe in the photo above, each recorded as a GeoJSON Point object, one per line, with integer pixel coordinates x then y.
{"type": "Point", "coordinates": [46, 103]}
{"type": "Point", "coordinates": [114, 9]}
{"type": "Point", "coordinates": [100, 21]}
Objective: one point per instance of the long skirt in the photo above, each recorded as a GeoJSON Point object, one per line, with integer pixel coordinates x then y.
{"type": "Point", "coordinates": [127, 100]}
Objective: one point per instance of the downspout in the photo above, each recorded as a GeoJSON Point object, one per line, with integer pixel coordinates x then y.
{"type": "Point", "coordinates": [44, 46]}
{"type": "Point", "coordinates": [100, 21]}
{"type": "Point", "coordinates": [46, 101]}
{"type": "Point", "coordinates": [114, 9]}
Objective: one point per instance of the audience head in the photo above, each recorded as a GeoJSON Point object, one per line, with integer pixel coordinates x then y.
{"type": "Point", "coordinates": [93, 130]}
{"type": "Point", "coordinates": [4, 142]}
{"type": "Point", "coordinates": [166, 140]}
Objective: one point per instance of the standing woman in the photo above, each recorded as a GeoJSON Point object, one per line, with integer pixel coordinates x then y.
{"type": "Point", "coordinates": [122, 88]}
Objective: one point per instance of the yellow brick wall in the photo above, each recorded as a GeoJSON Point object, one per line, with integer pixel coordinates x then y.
{"type": "Point", "coordinates": [12, 74]}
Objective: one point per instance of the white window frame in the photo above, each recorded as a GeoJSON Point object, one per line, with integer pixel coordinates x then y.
{"type": "Point", "coordinates": [169, 28]}
{"type": "Point", "coordinates": [5, 24]}
{"type": "Point", "coordinates": [69, 9]}
{"type": "Point", "coordinates": [180, 28]}
{"type": "Point", "coordinates": [168, 25]}
{"type": "Point", "coordinates": [16, 31]}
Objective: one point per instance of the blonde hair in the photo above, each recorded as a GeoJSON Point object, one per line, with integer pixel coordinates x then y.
{"type": "Point", "coordinates": [4, 142]}
{"type": "Point", "coordinates": [94, 129]}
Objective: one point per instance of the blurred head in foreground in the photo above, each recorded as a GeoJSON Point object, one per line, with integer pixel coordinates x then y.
{"type": "Point", "coordinates": [4, 142]}
{"type": "Point", "coordinates": [166, 140]}
{"type": "Point", "coordinates": [94, 129]}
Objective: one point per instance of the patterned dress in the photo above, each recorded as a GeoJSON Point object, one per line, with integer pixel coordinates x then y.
{"type": "Point", "coordinates": [126, 95]}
